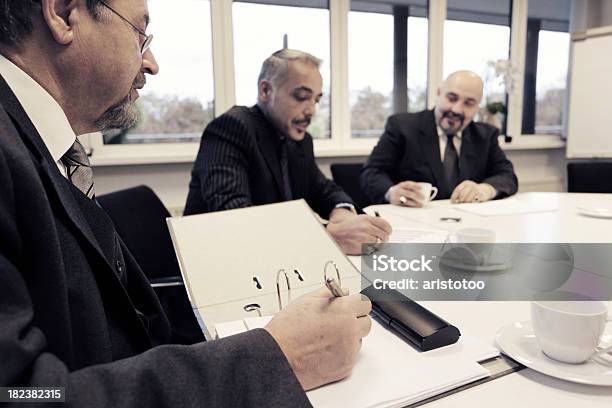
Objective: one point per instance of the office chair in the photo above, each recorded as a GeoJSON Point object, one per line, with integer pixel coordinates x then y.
{"type": "Point", "coordinates": [589, 177]}
{"type": "Point", "coordinates": [346, 175]}
{"type": "Point", "coordinates": [139, 217]}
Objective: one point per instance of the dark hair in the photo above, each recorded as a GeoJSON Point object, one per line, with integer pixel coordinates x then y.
{"type": "Point", "coordinates": [16, 18]}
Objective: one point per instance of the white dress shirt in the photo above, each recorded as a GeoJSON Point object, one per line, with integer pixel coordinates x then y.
{"type": "Point", "coordinates": [443, 139]}
{"type": "Point", "coordinates": [45, 113]}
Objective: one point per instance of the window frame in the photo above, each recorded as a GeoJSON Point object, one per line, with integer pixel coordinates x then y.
{"type": "Point", "coordinates": [341, 142]}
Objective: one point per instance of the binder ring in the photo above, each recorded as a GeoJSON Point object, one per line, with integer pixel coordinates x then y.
{"type": "Point", "coordinates": [337, 272]}
{"type": "Point", "coordinates": [278, 290]}
{"type": "Point", "coordinates": [253, 307]}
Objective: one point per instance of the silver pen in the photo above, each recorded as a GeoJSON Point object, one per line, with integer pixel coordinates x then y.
{"type": "Point", "coordinates": [334, 287]}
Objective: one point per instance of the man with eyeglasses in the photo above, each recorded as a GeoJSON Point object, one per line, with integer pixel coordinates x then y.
{"type": "Point", "coordinates": [443, 147]}
{"type": "Point", "coordinates": [264, 154]}
{"type": "Point", "coordinates": [76, 312]}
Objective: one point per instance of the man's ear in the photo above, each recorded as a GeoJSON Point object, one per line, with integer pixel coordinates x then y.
{"type": "Point", "coordinates": [265, 90]}
{"type": "Point", "coordinates": [59, 15]}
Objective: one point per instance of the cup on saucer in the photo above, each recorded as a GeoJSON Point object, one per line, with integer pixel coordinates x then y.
{"type": "Point", "coordinates": [569, 331]}
{"type": "Point", "coordinates": [479, 242]}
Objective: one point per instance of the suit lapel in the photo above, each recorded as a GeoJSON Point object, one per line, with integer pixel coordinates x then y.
{"type": "Point", "coordinates": [430, 146]}
{"type": "Point", "coordinates": [56, 180]}
{"type": "Point", "coordinates": [265, 135]}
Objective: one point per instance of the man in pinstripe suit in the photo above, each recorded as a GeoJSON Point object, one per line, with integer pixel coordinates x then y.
{"type": "Point", "coordinates": [264, 154]}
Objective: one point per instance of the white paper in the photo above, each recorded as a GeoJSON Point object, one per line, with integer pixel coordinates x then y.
{"type": "Point", "coordinates": [413, 235]}
{"type": "Point", "coordinates": [391, 373]}
{"type": "Point", "coordinates": [469, 347]}
{"type": "Point", "coordinates": [256, 322]}
{"type": "Point", "coordinates": [508, 206]}
{"type": "Point", "coordinates": [230, 328]}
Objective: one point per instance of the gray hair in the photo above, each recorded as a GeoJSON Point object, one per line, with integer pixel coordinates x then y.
{"type": "Point", "coordinates": [275, 67]}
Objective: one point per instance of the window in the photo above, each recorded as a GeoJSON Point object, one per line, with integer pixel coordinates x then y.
{"type": "Point", "coordinates": [261, 29]}
{"type": "Point", "coordinates": [477, 38]}
{"type": "Point", "coordinates": [178, 103]}
{"type": "Point", "coordinates": [546, 66]}
{"type": "Point", "coordinates": [387, 62]}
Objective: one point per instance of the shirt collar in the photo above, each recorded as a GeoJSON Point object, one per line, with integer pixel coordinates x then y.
{"type": "Point", "coordinates": [45, 113]}
{"type": "Point", "coordinates": [441, 133]}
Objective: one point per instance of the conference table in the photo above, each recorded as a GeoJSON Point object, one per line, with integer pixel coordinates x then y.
{"type": "Point", "coordinates": [564, 224]}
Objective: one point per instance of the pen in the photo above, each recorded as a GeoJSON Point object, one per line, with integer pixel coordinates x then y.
{"type": "Point", "coordinates": [450, 219]}
{"type": "Point", "coordinates": [334, 288]}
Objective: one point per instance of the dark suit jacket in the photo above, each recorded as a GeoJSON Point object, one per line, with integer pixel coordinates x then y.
{"type": "Point", "coordinates": [409, 150]}
{"type": "Point", "coordinates": [238, 166]}
{"type": "Point", "coordinates": [77, 312]}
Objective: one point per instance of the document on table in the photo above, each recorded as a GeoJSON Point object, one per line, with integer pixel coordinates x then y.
{"type": "Point", "coordinates": [391, 373]}
{"type": "Point", "coordinates": [414, 235]}
{"type": "Point", "coordinates": [508, 206]}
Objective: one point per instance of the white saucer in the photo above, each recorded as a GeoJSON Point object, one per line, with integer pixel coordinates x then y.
{"type": "Point", "coordinates": [518, 342]}
{"type": "Point", "coordinates": [451, 263]}
{"type": "Point", "coordinates": [596, 212]}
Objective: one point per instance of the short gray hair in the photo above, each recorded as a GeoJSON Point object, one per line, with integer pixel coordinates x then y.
{"type": "Point", "coordinates": [275, 67]}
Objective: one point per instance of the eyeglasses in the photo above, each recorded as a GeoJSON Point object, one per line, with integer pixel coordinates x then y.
{"type": "Point", "coordinates": [148, 37]}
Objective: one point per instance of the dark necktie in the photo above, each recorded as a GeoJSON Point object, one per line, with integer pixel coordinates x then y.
{"type": "Point", "coordinates": [284, 163]}
{"type": "Point", "coordinates": [80, 173]}
{"type": "Point", "coordinates": [451, 165]}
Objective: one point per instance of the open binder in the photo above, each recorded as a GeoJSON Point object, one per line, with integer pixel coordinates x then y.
{"type": "Point", "coordinates": [250, 261]}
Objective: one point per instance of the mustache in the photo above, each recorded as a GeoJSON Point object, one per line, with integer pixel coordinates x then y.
{"type": "Point", "coordinates": [454, 116]}
{"type": "Point", "coordinates": [306, 121]}
{"type": "Point", "coordinates": [139, 81]}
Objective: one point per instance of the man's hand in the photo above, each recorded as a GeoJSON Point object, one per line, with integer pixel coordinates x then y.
{"type": "Point", "coordinates": [469, 192]}
{"type": "Point", "coordinates": [321, 335]}
{"type": "Point", "coordinates": [350, 231]}
{"type": "Point", "coordinates": [409, 190]}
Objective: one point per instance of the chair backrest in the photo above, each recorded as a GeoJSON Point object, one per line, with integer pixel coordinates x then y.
{"type": "Point", "coordinates": [346, 175]}
{"type": "Point", "coordinates": [140, 219]}
{"type": "Point", "coordinates": [589, 177]}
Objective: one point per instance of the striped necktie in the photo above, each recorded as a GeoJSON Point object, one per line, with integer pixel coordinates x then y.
{"type": "Point", "coordinates": [79, 170]}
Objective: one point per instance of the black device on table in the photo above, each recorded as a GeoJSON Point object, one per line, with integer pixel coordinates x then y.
{"type": "Point", "coordinates": [411, 321]}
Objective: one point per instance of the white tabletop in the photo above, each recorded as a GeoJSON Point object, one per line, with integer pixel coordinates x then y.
{"type": "Point", "coordinates": [526, 388]}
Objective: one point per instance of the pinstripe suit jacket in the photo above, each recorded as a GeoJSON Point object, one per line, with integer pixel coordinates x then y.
{"type": "Point", "coordinates": [238, 166]}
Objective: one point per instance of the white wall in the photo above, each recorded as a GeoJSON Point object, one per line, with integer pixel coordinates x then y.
{"type": "Point", "coordinates": [537, 170]}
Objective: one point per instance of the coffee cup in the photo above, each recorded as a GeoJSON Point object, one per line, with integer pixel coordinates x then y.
{"type": "Point", "coordinates": [478, 241]}
{"type": "Point", "coordinates": [428, 192]}
{"type": "Point", "coordinates": [569, 331]}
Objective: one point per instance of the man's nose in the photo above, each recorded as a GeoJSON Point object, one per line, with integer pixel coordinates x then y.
{"type": "Point", "coordinates": [310, 109]}
{"type": "Point", "coordinates": [457, 107]}
{"type": "Point", "coordinates": [149, 64]}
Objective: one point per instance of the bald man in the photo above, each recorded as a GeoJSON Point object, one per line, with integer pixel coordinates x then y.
{"type": "Point", "coordinates": [443, 147]}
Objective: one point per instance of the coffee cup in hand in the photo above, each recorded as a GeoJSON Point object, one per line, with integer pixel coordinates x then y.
{"type": "Point", "coordinates": [428, 192]}
{"type": "Point", "coordinates": [569, 331]}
